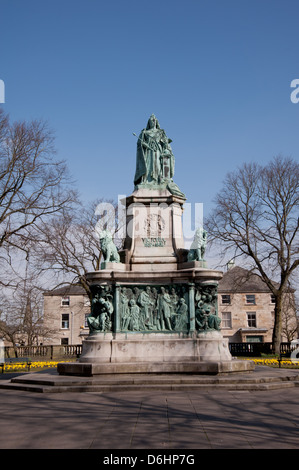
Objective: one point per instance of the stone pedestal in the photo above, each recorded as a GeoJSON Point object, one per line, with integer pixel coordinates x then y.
{"type": "Point", "coordinates": [155, 347]}
{"type": "Point", "coordinates": [154, 295]}
{"type": "Point", "coordinates": [156, 310]}
{"type": "Point", "coordinates": [154, 231]}
{"type": "Point", "coordinates": [155, 353]}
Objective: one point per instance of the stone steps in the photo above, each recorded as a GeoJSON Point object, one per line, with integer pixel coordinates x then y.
{"type": "Point", "coordinates": [51, 383]}
{"type": "Point", "coordinates": [164, 387]}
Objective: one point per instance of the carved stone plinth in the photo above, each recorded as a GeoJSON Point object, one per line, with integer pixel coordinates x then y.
{"type": "Point", "coordinates": [205, 353]}
{"type": "Point", "coordinates": [154, 234]}
{"type": "Point", "coordinates": [155, 347]}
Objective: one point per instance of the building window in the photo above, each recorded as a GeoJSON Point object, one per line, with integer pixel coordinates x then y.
{"type": "Point", "coordinates": [65, 301]}
{"type": "Point", "coordinates": [250, 299]}
{"type": "Point", "coordinates": [226, 320]}
{"type": "Point", "coordinates": [64, 341]}
{"type": "Point", "coordinates": [65, 321]}
{"type": "Point", "coordinates": [254, 339]}
{"type": "Point", "coordinates": [225, 299]}
{"type": "Point", "coordinates": [85, 322]}
{"type": "Point", "coordinates": [251, 319]}
{"type": "Point", "coordinates": [272, 299]}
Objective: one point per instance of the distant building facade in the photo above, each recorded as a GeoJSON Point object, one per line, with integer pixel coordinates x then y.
{"type": "Point", "coordinates": [65, 310]}
{"type": "Point", "coordinates": [245, 306]}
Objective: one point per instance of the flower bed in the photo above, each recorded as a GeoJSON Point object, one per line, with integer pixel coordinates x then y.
{"type": "Point", "coordinates": [274, 362]}
{"type": "Point", "coordinates": [39, 365]}
{"type": "Point", "coordinates": [23, 366]}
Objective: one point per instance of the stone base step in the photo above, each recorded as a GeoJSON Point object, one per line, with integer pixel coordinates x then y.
{"type": "Point", "coordinates": [92, 369]}
{"type": "Point", "coordinates": [51, 383]}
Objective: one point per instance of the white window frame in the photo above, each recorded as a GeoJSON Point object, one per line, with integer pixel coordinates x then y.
{"type": "Point", "coordinates": [228, 297]}
{"type": "Point", "coordinates": [64, 321]}
{"type": "Point", "coordinates": [247, 299]}
{"type": "Point", "coordinates": [253, 319]}
{"type": "Point", "coordinates": [226, 322]}
{"type": "Point", "coordinates": [65, 301]}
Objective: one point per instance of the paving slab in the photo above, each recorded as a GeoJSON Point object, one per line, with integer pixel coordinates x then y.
{"type": "Point", "coordinates": [151, 420]}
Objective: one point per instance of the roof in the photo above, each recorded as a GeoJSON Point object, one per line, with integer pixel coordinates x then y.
{"type": "Point", "coordinates": [235, 280]}
{"type": "Point", "coordinates": [238, 279]}
{"type": "Point", "coordinates": [67, 290]}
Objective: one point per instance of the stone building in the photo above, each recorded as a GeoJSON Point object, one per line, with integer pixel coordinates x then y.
{"type": "Point", "coordinates": [245, 306]}
{"type": "Point", "coordinates": [66, 309]}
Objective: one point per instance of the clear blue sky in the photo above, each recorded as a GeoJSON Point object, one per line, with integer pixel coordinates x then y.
{"type": "Point", "coordinates": [216, 73]}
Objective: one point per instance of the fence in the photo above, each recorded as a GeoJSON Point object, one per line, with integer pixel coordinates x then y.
{"type": "Point", "coordinates": [257, 349]}
{"type": "Point", "coordinates": [50, 352]}
{"type": "Point", "coordinates": [75, 350]}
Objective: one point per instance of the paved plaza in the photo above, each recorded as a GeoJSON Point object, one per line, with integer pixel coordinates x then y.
{"type": "Point", "coordinates": [219, 419]}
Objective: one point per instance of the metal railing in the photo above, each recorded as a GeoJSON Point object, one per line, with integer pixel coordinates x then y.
{"type": "Point", "coordinates": [44, 352]}
{"type": "Point", "coordinates": [257, 349]}
{"type": "Point", "coordinates": [75, 350]}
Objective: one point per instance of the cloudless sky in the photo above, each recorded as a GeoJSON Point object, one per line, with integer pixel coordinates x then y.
{"type": "Point", "coordinates": [216, 73]}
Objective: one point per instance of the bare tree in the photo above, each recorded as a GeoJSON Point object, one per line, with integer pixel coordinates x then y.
{"type": "Point", "coordinates": [33, 186]}
{"type": "Point", "coordinates": [9, 330]}
{"type": "Point", "coordinates": [256, 217]}
{"type": "Point", "coordinates": [21, 313]}
{"type": "Point", "coordinates": [289, 314]}
{"type": "Point", "coordinates": [70, 246]}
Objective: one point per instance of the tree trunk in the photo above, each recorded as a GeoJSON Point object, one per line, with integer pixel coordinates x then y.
{"type": "Point", "coordinates": [276, 338]}
{"type": "Point", "coordinates": [15, 348]}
